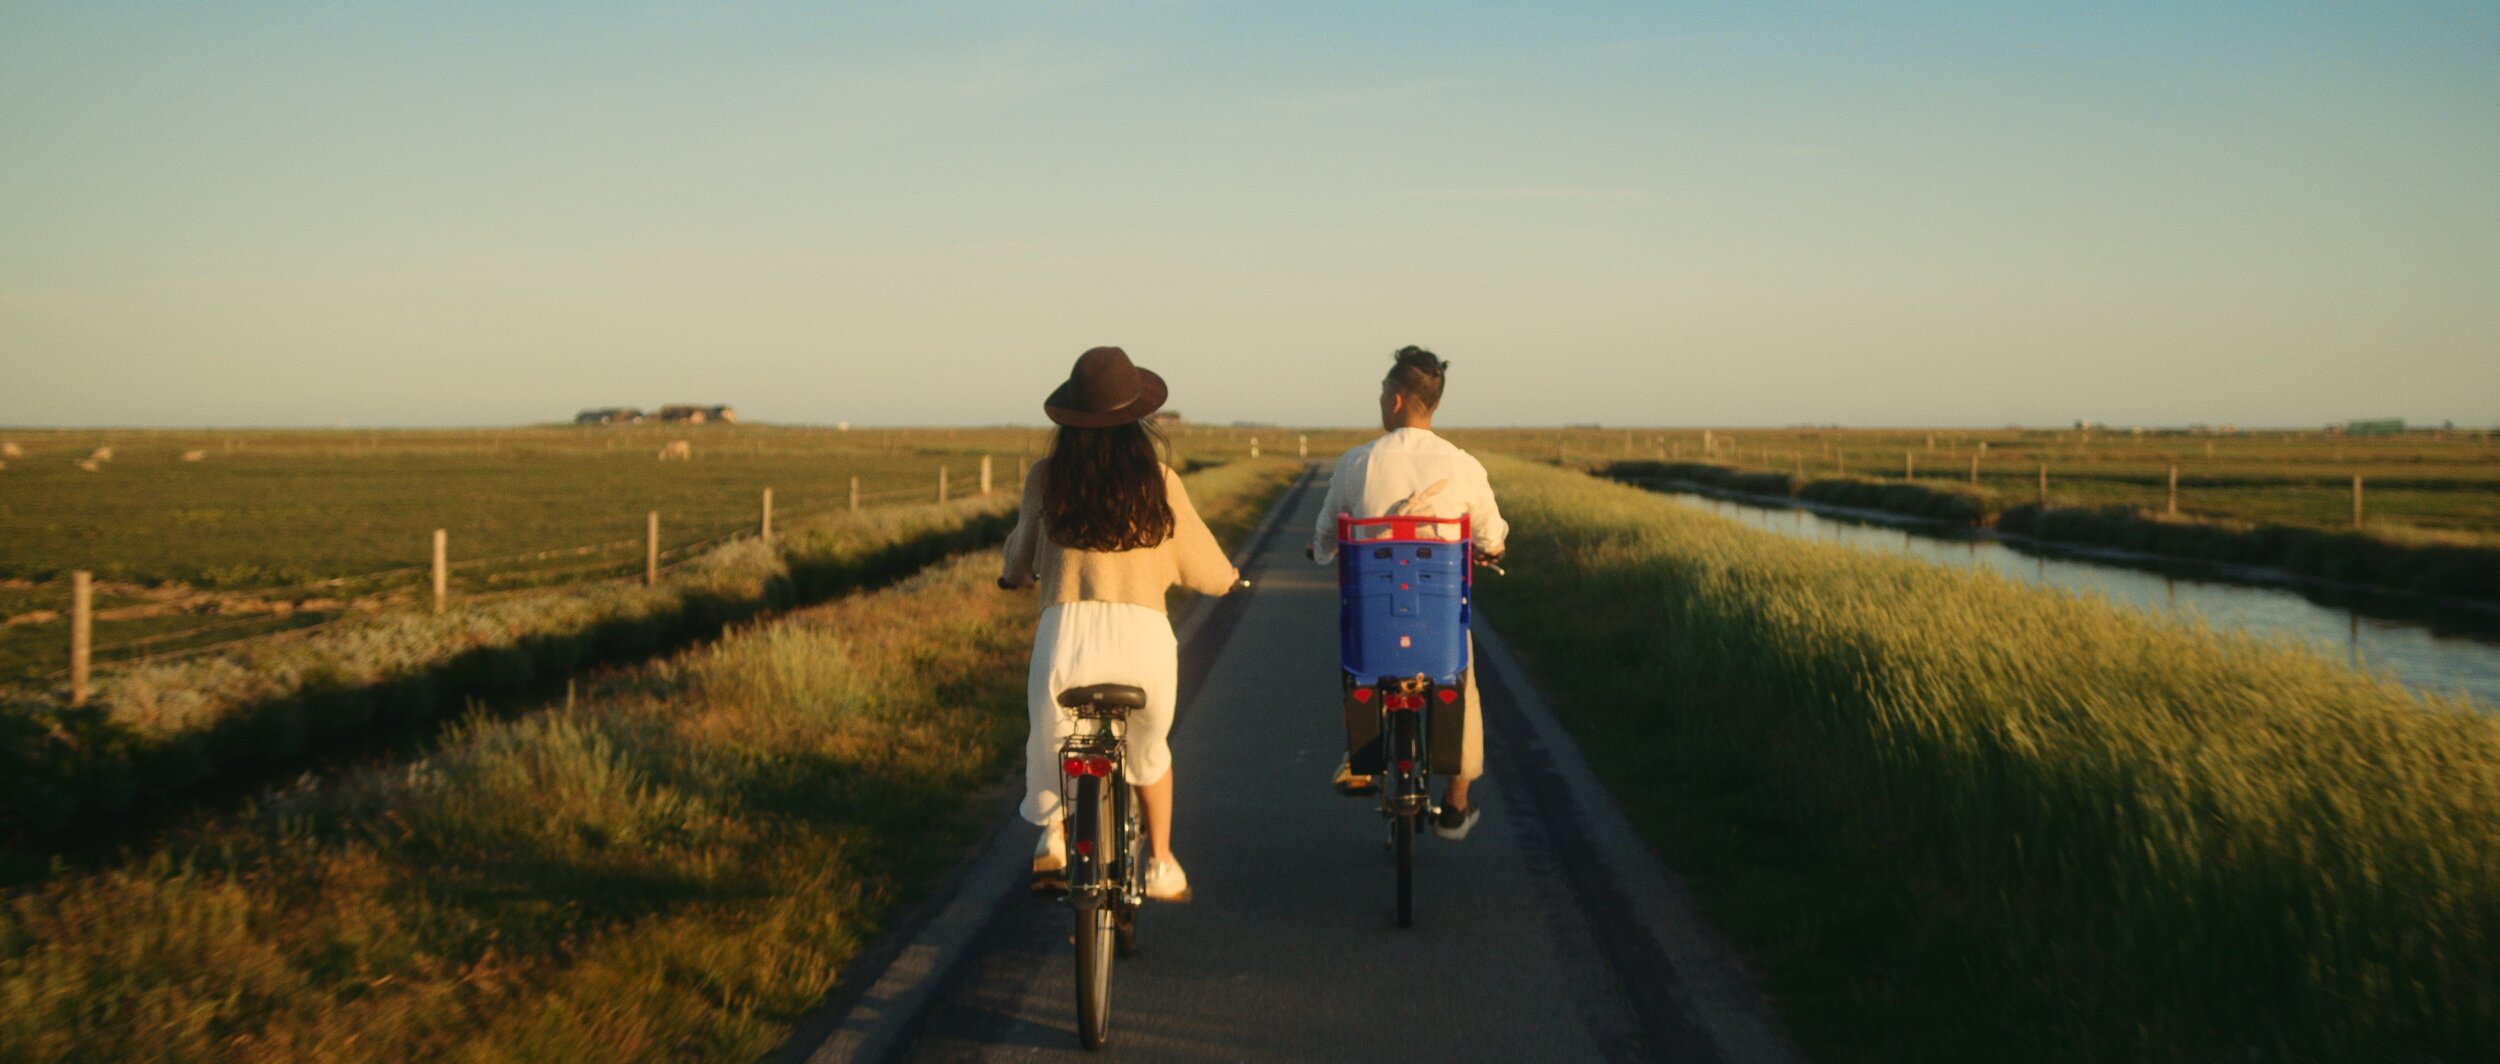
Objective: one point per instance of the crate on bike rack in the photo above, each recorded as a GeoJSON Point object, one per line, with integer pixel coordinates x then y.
{"type": "Point", "coordinates": [1403, 585]}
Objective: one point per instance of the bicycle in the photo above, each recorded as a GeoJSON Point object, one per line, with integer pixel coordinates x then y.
{"type": "Point", "coordinates": [1106, 871]}
{"type": "Point", "coordinates": [1106, 868]}
{"type": "Point", "coordinates": [1402, 643]}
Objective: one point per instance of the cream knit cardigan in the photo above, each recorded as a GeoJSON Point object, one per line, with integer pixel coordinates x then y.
{"type": "Point", "coordinates": [1189, 557]}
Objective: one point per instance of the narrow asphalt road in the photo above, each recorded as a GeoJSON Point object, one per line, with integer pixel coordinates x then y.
{"type": "Point", "coordinates": [1530, 942]}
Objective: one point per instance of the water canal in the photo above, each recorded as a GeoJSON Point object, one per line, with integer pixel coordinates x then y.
{"type": "Point", "coordinates": [2444, 649]}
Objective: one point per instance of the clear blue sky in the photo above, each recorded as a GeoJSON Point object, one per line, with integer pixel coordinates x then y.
{"type": "Point", "coordinates": [427, 213]}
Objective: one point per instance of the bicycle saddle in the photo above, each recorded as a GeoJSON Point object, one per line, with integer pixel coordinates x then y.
{"type": "Point", "coordinates": [1104, 696]}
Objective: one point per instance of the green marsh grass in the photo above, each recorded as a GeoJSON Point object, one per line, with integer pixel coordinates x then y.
{"type": "Point", "coordinates": [1953, 818]}
{"type": "Point", "coordinates": [672, 865]}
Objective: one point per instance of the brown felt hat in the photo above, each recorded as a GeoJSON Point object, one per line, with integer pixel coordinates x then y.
{"type": "Point", "coordinates": [1105, 389]}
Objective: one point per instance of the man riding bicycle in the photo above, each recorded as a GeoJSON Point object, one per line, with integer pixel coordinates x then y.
{"type": "Point", "coordinates": [1412, 471]}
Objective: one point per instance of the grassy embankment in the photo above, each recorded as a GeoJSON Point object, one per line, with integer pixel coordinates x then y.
{"type": "Point", "coordinates": [1952, 818]}
{"type": "Point", "coordinates": [2384, 555]}
{"type": "Point", "coordinates": [156, 733]}
{"type": "Point", "coordinates": [671, 866]}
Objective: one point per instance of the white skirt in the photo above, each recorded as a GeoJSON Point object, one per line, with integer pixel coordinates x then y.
{"type": "Point", "coordinates": [1081, 643]}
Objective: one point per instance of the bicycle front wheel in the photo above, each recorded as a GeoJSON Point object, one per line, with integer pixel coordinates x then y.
{"type": "Point", "coordinates": [1094, 948]}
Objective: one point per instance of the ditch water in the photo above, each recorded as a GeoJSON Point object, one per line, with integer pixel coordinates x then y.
{"type": "Point", "coordinates": [2429, 646]}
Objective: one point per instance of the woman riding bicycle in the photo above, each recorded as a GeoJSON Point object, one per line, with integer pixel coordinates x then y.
{"type": "Point", "coordinates": [1108, 529]}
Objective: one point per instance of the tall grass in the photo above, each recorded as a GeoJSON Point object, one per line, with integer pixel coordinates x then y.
{"type": "Point", "coordinates": [157, 733]}
{"type": "Point", "coordinates": [671, 866]}
{"type": "Point", "coordinates": [1957, 818]}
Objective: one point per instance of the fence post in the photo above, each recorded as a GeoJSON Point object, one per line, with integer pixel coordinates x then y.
{"type": "Point", "coordinates": [651, 549]}
{"type": "Point", "coordinates": [1974, 469]}
{"type": "Point", "coordinates": [854, 494]}
{"type": "Point", "coordinates": [2174, 491]}
{"type": "Point", "coordinates": [2044, 484]}
{"type": "Point", "coordinates": [767, 532]}
{"type": "Point", "coordinates": [81, 633]}
{"type": "Point", "coordinates": [1983, 447]}
{"type": "Point", "coordinates": [1302, 446]}
{"type": "Point", "coordinates": [1909, 465]}
{"type": "Point", "coordinates": [1931, 441]}
{"type": "Point", "coordinates": [442, 568]}
{"type": "Point", "coordinates": [941, 483]}
{"type": "Point", "coordinates": [2356, 500]}
{"type": "Point", "coordinates": [1840, 460]}
{"type": "Point", "coordinates": [985, 474]}
{"type": "Point", "coordinates": [1254, 446]}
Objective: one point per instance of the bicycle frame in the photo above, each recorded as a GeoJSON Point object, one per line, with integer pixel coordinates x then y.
{"type": "Point", "coordinates": [1103, 828]}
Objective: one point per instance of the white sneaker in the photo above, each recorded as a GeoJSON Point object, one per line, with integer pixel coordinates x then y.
{"type": "Point", "coordinates": [1165, 881]}
{"type": "Point", "coordinates": [1050, 857]}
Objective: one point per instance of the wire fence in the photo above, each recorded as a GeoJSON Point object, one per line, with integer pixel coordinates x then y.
{"type": "Point", "coordinates": [275, 612]}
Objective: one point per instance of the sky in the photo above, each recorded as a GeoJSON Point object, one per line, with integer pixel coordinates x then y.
{"type": "Point", "coordinates": [1631, 214]}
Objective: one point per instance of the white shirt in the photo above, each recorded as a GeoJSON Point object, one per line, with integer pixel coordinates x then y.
{"type": "Point", "coordinates": [1384, 477]}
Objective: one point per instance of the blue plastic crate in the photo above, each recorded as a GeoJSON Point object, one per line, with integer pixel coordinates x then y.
{"type": "Point", "coordinates": [1402, 589]}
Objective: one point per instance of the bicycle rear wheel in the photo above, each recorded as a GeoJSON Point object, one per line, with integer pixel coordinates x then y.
{"type": "Point", "coordinates": [1094, 949]}
{"type": "Point", "coordinates": [1402, 822]}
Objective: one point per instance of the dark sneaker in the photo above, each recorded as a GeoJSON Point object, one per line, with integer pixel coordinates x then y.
{"type": "Point", "coordinates": [1350, 784]}
{"type": "Point", "coordinates": [1454, 824]}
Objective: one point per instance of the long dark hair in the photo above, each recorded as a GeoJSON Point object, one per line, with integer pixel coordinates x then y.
{"type": "Point", "coordinates": [1103, 489]}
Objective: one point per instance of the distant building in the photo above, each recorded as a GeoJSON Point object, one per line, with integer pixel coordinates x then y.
{"type": "Point", "coordinates": [1164, 417]}
{"type": "Point", "coordinates": [696, 414]}
{"type": "Point", "coordinates": [608, 415]}
{"type": "Point", "coordinates": [2386, 426]}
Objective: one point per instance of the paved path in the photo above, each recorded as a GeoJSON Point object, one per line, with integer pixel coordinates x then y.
{"type": "Point", "coordinates": [1548, 934]}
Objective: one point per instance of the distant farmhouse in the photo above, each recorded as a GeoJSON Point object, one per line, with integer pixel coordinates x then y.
{"type": "Point", "coordinates": [672, 414]}
{"type": "Point", "coordinates": [693, 414]}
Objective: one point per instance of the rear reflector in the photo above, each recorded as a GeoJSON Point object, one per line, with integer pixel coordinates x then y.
{"type": "Point", "coordinates": [1362, 694]}
{"type": "Point", "coordinates": [1448, 695]}
{"type": "Point", "coordinates": [1087, 766]}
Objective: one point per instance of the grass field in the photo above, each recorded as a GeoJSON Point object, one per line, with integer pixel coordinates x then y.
{"type": "Point", "coordinates": [2420, 481]}
{"type": "Point", "coordinates": [277, 530]}
{"type": "Point", "coordinates": [1952, 818]}
{"type": "Point", "coordinates": [671, 866]}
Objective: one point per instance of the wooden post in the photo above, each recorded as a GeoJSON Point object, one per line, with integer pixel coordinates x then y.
{"type": "Point", "coordinates": [1931, 441]}
{"type": "Point", "coordinates": [1302, 446]}
{"type": "Point", "coordinates": [2174, 491]}
{"type": "Point", "coordinates": [1840, 461]}
{"type": "Point", "coordinates": [767, 532]}
{"type": "Point", "coordinates": [985, 474]}
{"type": "Point", "coordinates": [442, 568]}
{"type": "Point", "coordinates": [1983, 447]}
{"type": "Point", "coordinates": [1909, 465]}
{"type": "Point", "coordinates": [1974, 469]}
{"type": "Point", "coordinates": [81, 633]}
{"type": "Point", "coordinates": [854, 494]}
{"type": "Point", "coordinates": [2356, 500]}
{"type": "Point", "coordinates": [941, 483]}
{"type": "Point", "coordinates": [2044, 483]}
{"type": "Point", "coordinates": [1254, 446]}
{"type": "Point", "coordinates": [651, 549]}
